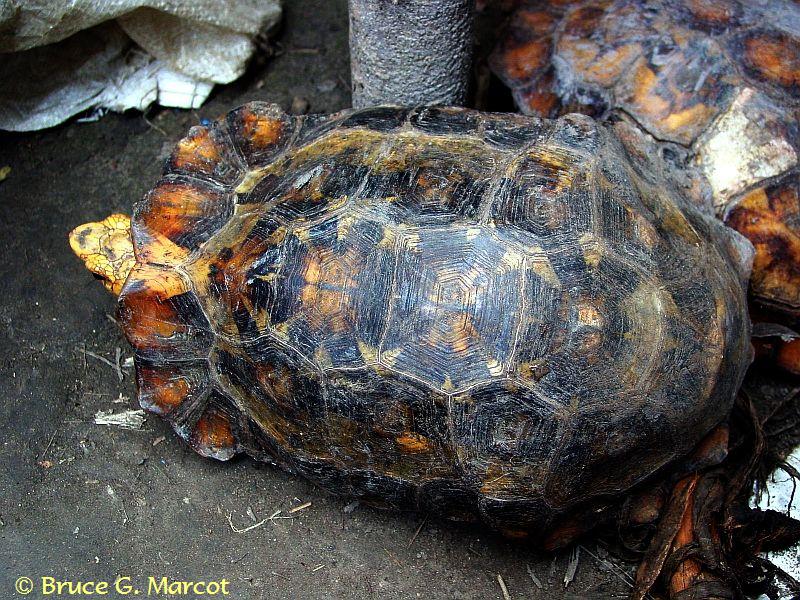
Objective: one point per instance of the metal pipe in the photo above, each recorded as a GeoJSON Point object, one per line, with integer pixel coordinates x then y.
{"type": "Point", "coordinates": [410, 52]}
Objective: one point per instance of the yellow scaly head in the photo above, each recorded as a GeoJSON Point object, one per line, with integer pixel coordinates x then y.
{"type": "Point", "coordinates": [106, 248]}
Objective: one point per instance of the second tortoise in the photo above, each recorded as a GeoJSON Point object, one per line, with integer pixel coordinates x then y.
{"type": "Point", "coordinates": [713, 85]}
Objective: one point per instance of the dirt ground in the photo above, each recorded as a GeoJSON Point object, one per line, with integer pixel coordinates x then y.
{"type": "Point", "coordinates": [80, 501]}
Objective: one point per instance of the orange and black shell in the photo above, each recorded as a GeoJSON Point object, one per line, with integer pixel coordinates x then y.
{"type": "Point", "coordinates": [715, 82]}
{"type": "Point", "coordinates": [487, 317]}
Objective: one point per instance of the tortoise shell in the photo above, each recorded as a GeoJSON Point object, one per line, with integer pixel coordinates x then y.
{"type": "Point", "coordinates": [717, 83]}
{"type": "Point", "coordinates": [484, 316]}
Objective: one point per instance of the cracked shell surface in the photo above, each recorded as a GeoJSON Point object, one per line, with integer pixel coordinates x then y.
{"type": "Point", "coordinates": [487, 317]}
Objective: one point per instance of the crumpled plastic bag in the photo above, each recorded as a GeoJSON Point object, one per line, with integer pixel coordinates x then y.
{"type": "Point", "coordinates": [781, 496]}
{"type": "Point", "coordinates": [65, 57]}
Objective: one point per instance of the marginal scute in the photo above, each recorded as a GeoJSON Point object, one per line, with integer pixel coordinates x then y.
{"type": "Point", "coordinates": [526, 49]}
{"type": "Point", "coordinates": [599, 447]}
{"type": "Point", "coordinates": [505, 439]}
{"type": "Point", "coordinates": [767, 217]}
{"type": "Point", "coordinates": [435, 308]}
{"type": "Point", "coordinates": [164, 387]}
{"type": "Point", "coordinates": [183, 211]}
{"type": "Point", "coordinates": [214, 433]}
{"type": "Point", "coordinates": [259, 131]}
{"type": "Point", "coordinates": [161, 316]}
{"type": "Point", "coordinates": [206, 153]}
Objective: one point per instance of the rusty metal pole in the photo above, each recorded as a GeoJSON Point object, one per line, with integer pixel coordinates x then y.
{"type": "Point", "coordinates": [410, 52]}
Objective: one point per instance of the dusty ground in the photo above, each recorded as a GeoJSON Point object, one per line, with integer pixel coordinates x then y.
{"type": "Point", "coordinates": [81, 501]}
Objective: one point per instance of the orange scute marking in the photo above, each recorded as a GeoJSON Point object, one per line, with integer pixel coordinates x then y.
{"type": "Point", "coordinates": [413, 442]}
{"type": "Point", "coordinates": [539, 101]}
{"type": "Point", "coordinates": [644, 97]}
{"type": "Point", "coordinates": [712, 11]}
{"type": "Point", "coordinates": [195, 149]}
{"type": "Point", "coordinates": [174, 206]}
{"type": "Point", "coordinates": [157, 248]}
{"type": "Point", "coordinates": [166, 391]}
{"type": "Point", "coordinates": [145, 315]}
{"type": "Point", "coordinates": [261, 131]}
{"type": "Point", "coordinates": [324, 292]}
{"type": "Point", "coordinates": [766, 217]}
{"type": "Point", "coordinates": [524, 61]}
{"type": "Point", "coordinates": [159, 283]}
{"type": "Point", "coordinates": [789, 357]}
{"type": "Point", "coordinates": [607, 68]}
{"type": "Point", "coordinates": [777, 58]}
{"type": "Point", "coordinates": [690, 116]}
{"type": "Point", "coordinates": [537, 20]}
{"type": "Point", "coordinates": [584, 21]}
{"type": "Point", "coordinates": [213, 431]}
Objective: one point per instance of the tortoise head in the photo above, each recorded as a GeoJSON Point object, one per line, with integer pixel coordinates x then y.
{"type": "Point", "coordinates": [106, 248]}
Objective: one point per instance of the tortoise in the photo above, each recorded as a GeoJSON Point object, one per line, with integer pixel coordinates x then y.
{"type": "Point", "coordinates": [487, 317]}
{"type": "Point", "coordinates": [714, 86]}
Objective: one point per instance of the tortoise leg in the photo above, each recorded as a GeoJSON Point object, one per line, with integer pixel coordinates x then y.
{"type": "Point", "coordinates": [691, 577]}
{"type": "Point", "coordinates": [644, 507]}
{"type": "Point", "coordinates": [686, 547]}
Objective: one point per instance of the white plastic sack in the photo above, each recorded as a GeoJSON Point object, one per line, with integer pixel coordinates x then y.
{"type": "Point", "coordinates": [783, 496]}
{"type": "Point", "coordinates": [64, 57]}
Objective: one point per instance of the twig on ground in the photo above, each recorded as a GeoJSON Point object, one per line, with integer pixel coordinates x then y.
{"type": "Point", "coordinates": [393, 558]}
{"type": "Point", "coordinates": [117, 357]}
{"type": "Point", "coordinates": [153, 125]}
{"type": "Point", "coordinates": [102, 359]}
{"type": "Point", "coordinates": [611, 566]}
{"type": "Point", "coordinates": [503, 588]}
{"type": "Point", "coordinates": [416, 533]}
{"type": "Point", "coordinates": [272, 517]}
{"type": "Point", "coordinates": [246, 529]}
{"type": "Point", "coordinates": [128, 419]}
{"type": "Point", "coordinates": [572, 567]}
{"type": "Point", "coordinates": [536, 581]}
{"type": "Point", "coordinates": [50, 443]}
{"type": "Point", "coordinates": [299, 508]}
